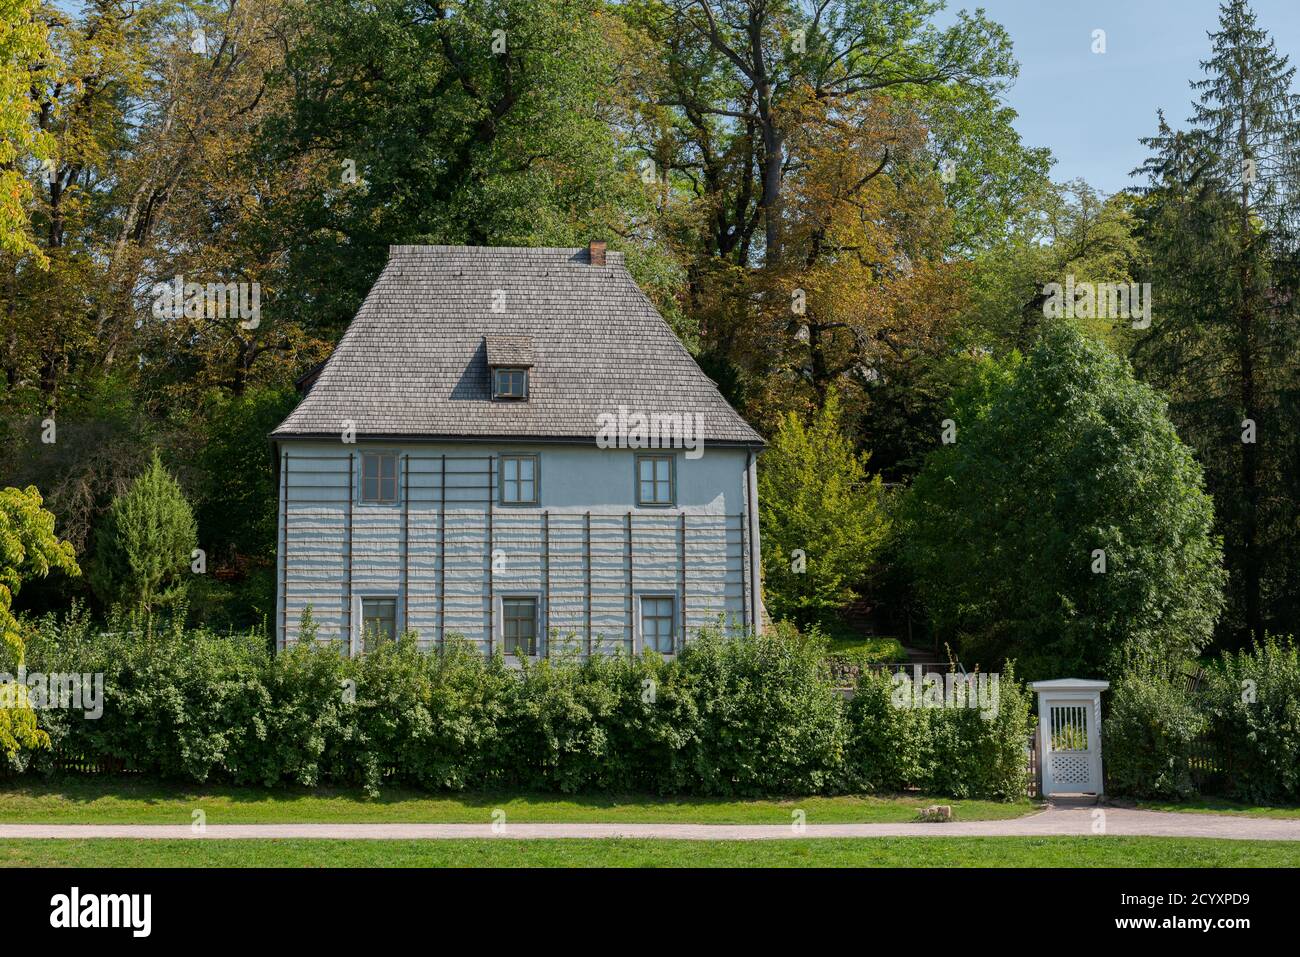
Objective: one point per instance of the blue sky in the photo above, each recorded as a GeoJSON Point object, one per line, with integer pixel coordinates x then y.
{"type": "Point", "coordinates": [1091, 109]}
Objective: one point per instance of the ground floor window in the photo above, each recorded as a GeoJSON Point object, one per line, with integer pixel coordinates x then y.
{"type": "Point", "coordinates": [519, 625]}
{"type": "Point", "coordinates": [378, 621]}
{"type": "Point", "coordinates": [657, 621]}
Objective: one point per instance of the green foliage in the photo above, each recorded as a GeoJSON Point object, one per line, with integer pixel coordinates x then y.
{"type": "Point", "coordinates": [28, 549]}
{"type": "Point", "coordinates": [482, 122]}
{"type": "Point", "coordinates": [237, 514]}
{"type": "Point", "coordinates": [769, 718]}
{"type": "Point", "coordinates": [1220, 230]}
{"type": "Point", "coordinates": [730, 716]}
{"type": "Point", "coordinates": [1150, 727]}
{"type": "Point", "coordinates": [815, 496]}
{"type": "Point", "coordinates": [897, 743]}
{"type": "Point", "coordinates": [1244, 723]}
{"type": "Point", "coordinates": [143, 549]}
{"type": "Point", "coordinates": [25, 54]}
{"type": "Point", "coordinates": [1253, 703]}
{"type": "Point", "coordinates": [1064, 455]}
{"type": "Point", "coordinates": [1055, 231]}
{"type": "Point", "coordinates": [245, 600]}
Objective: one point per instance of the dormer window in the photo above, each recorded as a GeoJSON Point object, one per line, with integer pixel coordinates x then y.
{"type": "Point", "coordinates": [509, 383]}
{"type": "Point", "coordinates": [509, 360]}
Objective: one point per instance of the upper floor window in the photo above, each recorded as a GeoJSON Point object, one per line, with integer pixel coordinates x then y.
{"type": "Point", "coordinates": [519, 480]}
{"type": "Point", "coordinates": [510, 383]}
{"type": "Point", "coordinates": [379, 477]}
{"type": "Point", "coordinates": [654, 480]}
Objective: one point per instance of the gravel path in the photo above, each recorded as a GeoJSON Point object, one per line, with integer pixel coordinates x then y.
{"type": "Point", "coordinates": [1070, 820]}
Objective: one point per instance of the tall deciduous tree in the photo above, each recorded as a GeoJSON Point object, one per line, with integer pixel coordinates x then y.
{"type": "Point", "coordinates": [1066, 524]}
{"type": "Point", "coordinates": [485, 122]}
{"type": "Point", "coordinates": [823, 517]}
{"type": "Point", "coordinates": [24, 53]}
{"type": "Point", "coordinates": [744, 78]}
{"type": "Point", "coordinates": [28, 549]}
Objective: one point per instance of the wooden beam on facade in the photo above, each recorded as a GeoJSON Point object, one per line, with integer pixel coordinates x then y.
{"type": "Point", "coordinates": [284, 552]}
{"type": "Point", "coordinates": [351, 496]}
{"type": "Point", "coordinates": [681, 564]}
{"type": "Point", "coordinates": [546, 580]}
{"type": "Point", "coordinates": [587, 572]}
{"type": "Point", "coordinates": [631, 600]}
{"type": "Point", "coordinates": [492, 594]}
{"type": "Point", "coordinates": [442, 555]}
{"type": "Point", "coordinates": [405, 494]}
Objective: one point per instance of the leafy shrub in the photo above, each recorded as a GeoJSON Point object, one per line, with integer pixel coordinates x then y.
{"type": "Point", "coordinates": [769, 718]}
{"type": "Point", "coordinates": [890, 748]}
{"type": "Point", "coordinates": [744, 716]}
{"type": "Point", "coordinates": [968, 752]}
{"type": "Point", "coordinates": [1253, 704]}
{"type": "Point", "coordinates": [177, 704]}
{"type": "Point", "coordinates": [1150, 727]}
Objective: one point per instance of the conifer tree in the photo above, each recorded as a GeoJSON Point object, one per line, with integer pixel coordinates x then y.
{"type": "Point", "coordinates": [1220, 222]}
{"type": "Point", "coordinates": [144, 548]}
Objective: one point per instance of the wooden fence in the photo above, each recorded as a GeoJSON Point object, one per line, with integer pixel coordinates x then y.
{"type": "Point", "coordinates": [1035, 786]}
{"type": "Point", "coordinates": [79, 764]}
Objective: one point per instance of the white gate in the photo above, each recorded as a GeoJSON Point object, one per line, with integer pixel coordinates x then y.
{"type": "Point", "coordinates": [1069, 727]}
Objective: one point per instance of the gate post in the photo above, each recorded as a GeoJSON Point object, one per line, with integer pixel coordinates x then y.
{"type": "Point", "coordinates": [1069, 729]}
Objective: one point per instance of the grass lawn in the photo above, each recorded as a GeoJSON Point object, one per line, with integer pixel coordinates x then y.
{"type": "Point", "coordinates": [866, 649]}
{"type": "Point", "coordinates": [825, 852]}
{"type": "Point", "coordinates": [119, 801]}
{"type": "Point", "coordinates": [1211, 805]}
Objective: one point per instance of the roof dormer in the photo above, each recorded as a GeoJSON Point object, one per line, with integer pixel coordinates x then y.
{"type": "Point", "coordinates": [509, 359]}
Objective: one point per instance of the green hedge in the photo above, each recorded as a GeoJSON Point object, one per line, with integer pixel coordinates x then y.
{"type": "Point", "coordinates": [1252, 700]}
{"type": "Point", "coordinates": [1244, 725]}
{"type": "Point", "coordinates": [1149, 732]}
{"type": "Point", "coordinates": [963, 751]}
{"type": "Point", "coordinates": [742, 716]}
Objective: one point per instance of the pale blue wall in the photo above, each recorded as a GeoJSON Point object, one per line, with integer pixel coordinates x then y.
{"type": "Point", "coordinates": [574, 481]}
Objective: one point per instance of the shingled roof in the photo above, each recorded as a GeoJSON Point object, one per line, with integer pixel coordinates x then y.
{"type": "Point", "coordinates": [513, 351]}
{"type": "Point", "coordinates": [414, 361]}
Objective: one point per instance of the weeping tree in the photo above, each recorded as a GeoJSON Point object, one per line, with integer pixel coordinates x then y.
{"type": "Point", "coordinates": [145, 544]}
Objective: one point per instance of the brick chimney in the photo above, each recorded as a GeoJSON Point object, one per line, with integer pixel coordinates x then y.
{"type": "Point", "coordinates": [596, 252]}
